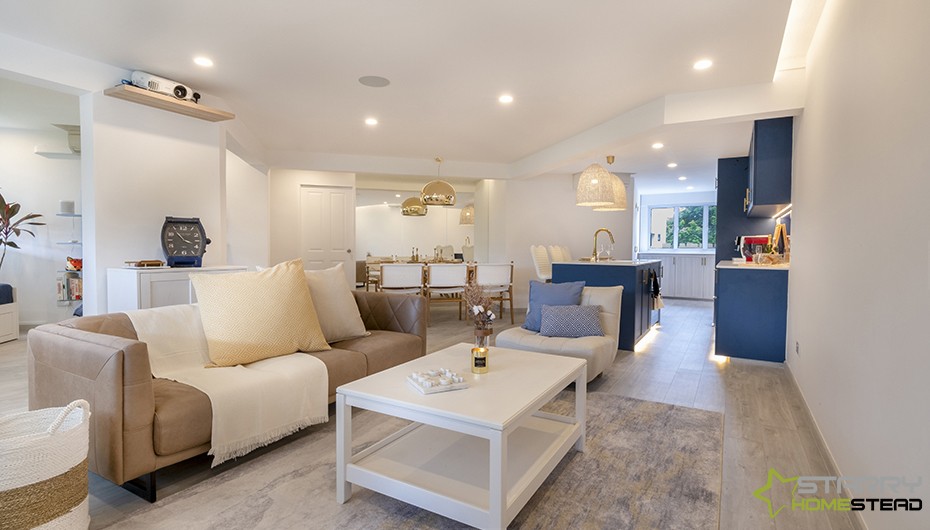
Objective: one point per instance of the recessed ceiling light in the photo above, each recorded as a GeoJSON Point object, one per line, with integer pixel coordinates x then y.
{"type": "Point", "coordinates": [385, 202]}
{"type": "Point", "coordinates": [506, 98]}
{"type": "Point", "coordinates": [374, 81]}
{"type": "Point", "coordinates": [371, 121]}
{"type": "Point", "coordinates": [658, 145]}
{"type": "Point", "coordinates": [703, 64]}
{"type": "Point", "coordinates": [682, 178]}
{"type": "Point", "coordinates": [672, 165]}
{"type": "Point", "coordinates": [397, 195]}
{"type": "Point", "coordinates": [690, 188]}
{"type": "Point", "coordinates": [203, 61]}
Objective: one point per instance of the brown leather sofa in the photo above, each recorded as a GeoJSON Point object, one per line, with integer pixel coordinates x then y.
{"type": "Point", "coordinates": [140, 424]}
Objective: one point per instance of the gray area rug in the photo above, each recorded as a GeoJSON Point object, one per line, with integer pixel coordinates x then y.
{"type": "Point", "coordinates": [646, 465]}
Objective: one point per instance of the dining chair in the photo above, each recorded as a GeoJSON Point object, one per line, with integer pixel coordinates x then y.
{"type": "Point", "coordinates": [555, 251]}
{"type": "Point", "coordinates": [447, 280]}
{"type": "Point", "coordinates": [566, 254]}
{"type": "Point", "coordinates": [541, 262]}
{"type": "Point", "coordinates": [497, 280]}
{"type": "Point", "coordinates": [404, 278]}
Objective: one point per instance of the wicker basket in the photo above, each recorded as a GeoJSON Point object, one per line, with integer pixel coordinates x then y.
{"type": "Point", "coordinates": [43, 468]}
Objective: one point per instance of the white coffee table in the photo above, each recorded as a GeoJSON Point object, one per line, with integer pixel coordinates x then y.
{"type": "Point", "coordinates": [475, 455]}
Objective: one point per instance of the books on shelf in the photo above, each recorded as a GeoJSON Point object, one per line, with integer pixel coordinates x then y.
{"type": "Point", "coordinates": [69, 287]}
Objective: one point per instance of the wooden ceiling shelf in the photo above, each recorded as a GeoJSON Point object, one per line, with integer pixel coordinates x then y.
{"type": "Point", "coordinates": [165, 102]}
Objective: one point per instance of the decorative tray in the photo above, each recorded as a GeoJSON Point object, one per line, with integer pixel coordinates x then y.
{"type": "Point", "coordinates": [438, 380]}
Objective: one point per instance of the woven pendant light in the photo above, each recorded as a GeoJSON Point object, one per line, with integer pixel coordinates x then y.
{"type": "Point", "coordinates": [594, 187]}
{"type": "Point", "coordinates": [438, 192]}
{"type": "Point", "coordinates": [413, 207]}
{"type": "Point", "coordinates": [619, 194]}
{"type": "Point", "coordinates": [467, 217]}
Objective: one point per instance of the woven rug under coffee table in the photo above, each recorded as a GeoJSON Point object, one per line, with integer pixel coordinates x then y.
{"type": "Point", "coordinates": [645, 465]}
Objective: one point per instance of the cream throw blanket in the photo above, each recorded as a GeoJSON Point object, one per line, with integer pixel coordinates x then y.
{"type": "Point", "coordinates": [253, 405]}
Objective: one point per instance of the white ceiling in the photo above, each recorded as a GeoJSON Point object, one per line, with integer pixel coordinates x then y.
{"type": "Point", "coordinates": [289, 69]}
{"type": "Point", "coordinates": [370, 197]}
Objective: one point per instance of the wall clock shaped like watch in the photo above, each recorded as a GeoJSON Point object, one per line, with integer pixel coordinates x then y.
{"type": "Point", "coordinates": [184, 241]}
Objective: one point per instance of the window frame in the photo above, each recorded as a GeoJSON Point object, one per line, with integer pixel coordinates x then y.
{"type": "Point", "coordinates": [676, 210]}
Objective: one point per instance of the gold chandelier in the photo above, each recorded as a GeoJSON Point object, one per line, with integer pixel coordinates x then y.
{"type": "Point", "coordinates": [412, 206]}
{"type": "Point", "coordinates": [438, 192]}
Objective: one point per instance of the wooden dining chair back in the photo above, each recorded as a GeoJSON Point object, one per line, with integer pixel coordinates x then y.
{"type": "Point", "coordinates": [497, 280]}
{"type": "Point", "coordinates": [445, 282]}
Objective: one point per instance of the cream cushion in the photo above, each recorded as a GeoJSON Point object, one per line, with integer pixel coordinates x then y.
{"type": "Point", "coordinates": [339, 316]}
{"type": "Point", "coordinates": [600, 352]}
{"type": "Point", "coordinates": [250, 316]}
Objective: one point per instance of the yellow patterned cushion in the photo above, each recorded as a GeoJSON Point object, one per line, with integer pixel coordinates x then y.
{"type": "Point", "coordinates": [250, 316]}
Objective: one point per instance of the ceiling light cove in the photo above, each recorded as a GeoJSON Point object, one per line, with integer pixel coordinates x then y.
{"type": "Point", "coordinates": [206, 62]}
{"type": "Point", "coordinates": [371, 121]}
{"type": "Point", "coordinates": [703, 64]}
{"type": "Point", "coordinates": [672, 165]}
{"type": "Point", "coordinates": [682, 178]}
{"type": "Point", "coordinates": [658, 145]}
{"type": "Point", "coordinates": [505, 99]}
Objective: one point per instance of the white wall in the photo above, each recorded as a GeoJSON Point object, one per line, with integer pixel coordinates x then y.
{"type": "Point", "coordinates": [859, 287]}
{"type": "Point", "coordinates": [285, 211]}
{"type": "Point", "coordinates": [140, 165]}
{"type": "Point", "coordinates": [38, 183]}
{"type": "Point", "coordinates": [381, 230]}
{"type": "Point", "coordinates": [542, 210]}
{"type": "Point", "coordinates": [248, 214]}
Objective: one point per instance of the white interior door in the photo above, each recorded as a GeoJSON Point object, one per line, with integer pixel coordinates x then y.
{"type": "Point", "coordinates": [327, 228]}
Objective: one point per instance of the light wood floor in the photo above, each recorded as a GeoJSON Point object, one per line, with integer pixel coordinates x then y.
{"type": "Point", "coordinates": [766, 424]}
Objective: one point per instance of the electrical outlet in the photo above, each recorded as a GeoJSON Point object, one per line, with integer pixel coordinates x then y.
{"type": "Point", "coordinates": [797, 347]}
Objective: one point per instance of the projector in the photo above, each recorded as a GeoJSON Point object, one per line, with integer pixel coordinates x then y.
{"type": "Point", "coordinates": [163, 86]}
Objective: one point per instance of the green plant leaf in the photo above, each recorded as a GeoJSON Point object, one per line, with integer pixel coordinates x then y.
{"type": "Point", "coordinates": [11, 244]}
{"type": "Point", "coordinates": [14, 209]}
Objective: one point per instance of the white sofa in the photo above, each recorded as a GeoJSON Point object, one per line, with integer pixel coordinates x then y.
{"type": "Point", "coordinates": [600, 352]}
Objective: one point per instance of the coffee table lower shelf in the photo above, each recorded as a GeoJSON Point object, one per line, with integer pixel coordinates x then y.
{"type": "Point", "coordinates": [448, 472]}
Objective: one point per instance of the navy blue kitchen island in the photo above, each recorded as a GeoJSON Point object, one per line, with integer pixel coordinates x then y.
{"type": "Point", "coordinates": [637, 313]}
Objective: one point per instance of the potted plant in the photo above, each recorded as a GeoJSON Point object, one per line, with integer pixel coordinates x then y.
{"type": "Point", "coordinates": [11, 228]}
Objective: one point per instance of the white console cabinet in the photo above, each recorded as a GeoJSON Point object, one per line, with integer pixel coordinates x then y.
{"type": "Point", "coordinates": [129, 289]}
{"type": "Point", "coordinates": [9, 320]}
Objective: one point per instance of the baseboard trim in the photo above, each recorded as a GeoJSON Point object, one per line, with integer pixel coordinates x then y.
{"type": "Point", "coordinates": [831, 461]}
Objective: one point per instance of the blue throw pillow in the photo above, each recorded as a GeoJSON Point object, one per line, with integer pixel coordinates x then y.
{"type": "Point", "coordinates": [566, 293]}
{"type": "Point", "coordinates": [571, 321]}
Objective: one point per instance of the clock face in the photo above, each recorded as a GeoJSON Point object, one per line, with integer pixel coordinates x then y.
{"type": "Point", "coordinates": [183, 239]}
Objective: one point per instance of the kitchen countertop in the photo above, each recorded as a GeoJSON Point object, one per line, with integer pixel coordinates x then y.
{"type": "Point", "coordinates": [614, 262]}
{"type": "Point", "coordinates": [679, 252]}
{"type": "Point", "coordinates": [728, 264]}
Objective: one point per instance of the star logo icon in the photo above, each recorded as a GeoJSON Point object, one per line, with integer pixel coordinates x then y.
{"type": "Point", "coordinates": [767, 489]}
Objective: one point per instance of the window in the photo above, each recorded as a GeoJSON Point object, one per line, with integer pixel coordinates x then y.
{"type": "Point", "coordinates": [683, 227]}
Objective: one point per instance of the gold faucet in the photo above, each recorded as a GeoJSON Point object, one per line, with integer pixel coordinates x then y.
{"type": "Point", "coordinates": [598, 231]}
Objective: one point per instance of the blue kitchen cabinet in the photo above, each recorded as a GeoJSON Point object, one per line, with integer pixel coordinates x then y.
{"type": "Point", "coordinates": [752, 309]}
{"type": "Point", "coordinates": [732, 180]}
{"type": "Point", "coordinates": [769, 187]}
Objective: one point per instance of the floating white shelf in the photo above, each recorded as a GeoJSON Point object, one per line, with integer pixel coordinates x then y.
{"type": "Point", "coordinates": [78, 243]}
{"type": "Point", "coordinates": [55, 152]}
{"type": "Point", "coordinates": [68, 214]}
{"type": "Point", "coordinates": [169, 103]}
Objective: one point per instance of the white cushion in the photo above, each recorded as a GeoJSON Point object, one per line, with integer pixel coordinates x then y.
{"type": "Point", "coordinates": [600, 352]}
{"type": "Point", "coordinates": [335, 305]}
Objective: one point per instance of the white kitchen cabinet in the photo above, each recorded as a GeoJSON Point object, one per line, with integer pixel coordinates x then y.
{"type": "Point", "coordinates": [686, 275]}
{"type": "Point", "coordinates": [129, 289]}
